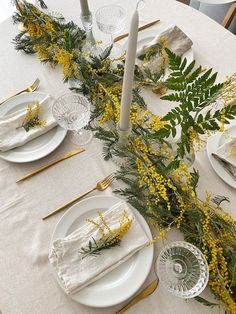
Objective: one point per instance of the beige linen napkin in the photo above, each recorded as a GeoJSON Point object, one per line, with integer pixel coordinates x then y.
{"type": "Point", "coordinates": [76, 273]}
{"type": "Point", "coordinates": [11, 137]}
{"type": "Point", "coordinates": [177, 41]}
{"type": "Point", "coordinates": [226, 155]}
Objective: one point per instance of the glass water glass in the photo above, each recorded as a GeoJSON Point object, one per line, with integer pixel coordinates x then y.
{"type": "Point", "coordinates": [72, 112]}
{"type": "Point", "coordinates": [90, 45]}
{"type": "Point", "coordinates": [182, 269]}
{"type": "Point", "coordinates": [111, 20]}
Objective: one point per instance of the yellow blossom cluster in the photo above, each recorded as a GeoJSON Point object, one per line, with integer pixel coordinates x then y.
{"type": "Point", "coordinates": [155, 182]}
{"type": "Point", "coordinates": [42, 52]}
{"type": "Point", "coordinates": [112, 103]}
{"type": "Point", "coordinates": [116, 233]}
{"type": "Point", "coordinates": [139, 116]}
{"type": "Point", "coordinates": [107, 114]}
{"type": "Point", "coordinates": [34, 28]}
{"type": "Point", "coordinates": [222, 120]}
{"type": "Point", "coordinates": [31, 118]}
{"type": "Point", "coordinates": [162, 234]}
{"type": "Point", "coordinates": [194, 138]}
{"type": "Point", "coordinates": [65, 58]}
{"type": "Point", "coordinates": [158, 185]}
{"type": "Point", "coordinates": [219, 280]}
{"type": "Point", "coordinates": [163, 57]}
{"type": "Point", "coordinates": [156, 123]}
{"type": "Point", "coordinates": [50, 26]}
{"type": "Point", "coordinates": [37, 27]}
{"type": "Point", "coordinates": [228, 93]}
{"type": "Point", "coordinates": [181, 177]}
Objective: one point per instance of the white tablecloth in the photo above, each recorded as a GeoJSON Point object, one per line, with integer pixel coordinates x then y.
{"type": "Point", "coordinates": [27, 285]}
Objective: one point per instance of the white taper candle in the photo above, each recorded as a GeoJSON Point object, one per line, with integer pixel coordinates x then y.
{"type": "Point", "coordinates": [126, 97]}
{"type": "Point", "coordinates": [84, 7]}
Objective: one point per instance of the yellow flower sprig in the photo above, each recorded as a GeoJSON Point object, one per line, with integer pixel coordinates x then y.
{"type": "Point", "coordinates": [109, 237]}
{"type": "Point", "coordinates": [228, 93]}
{"type": "Point", "coordinates": [31, 119]}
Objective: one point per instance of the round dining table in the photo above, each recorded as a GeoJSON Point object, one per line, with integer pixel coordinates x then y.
{"type": "Point", "coordinates": [27, 285]}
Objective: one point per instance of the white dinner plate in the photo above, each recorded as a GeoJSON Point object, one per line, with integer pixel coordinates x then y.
{"type": "Point", "coordinates": [121, 283]}
{"type": "Point", "coordinates": [213, 143]}
{"type": "Point", "coordinates": [147, 36]}
{"type": "Point", "coordinates": [38, 147]}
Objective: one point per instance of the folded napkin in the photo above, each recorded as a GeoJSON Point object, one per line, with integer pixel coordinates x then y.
{"type": "Point", "coordinates": [12, 136]}
{"type": "Point", "coordinates": [226, 155]}
{"type": "Point", "coordinates": [173, 38]}
{"type": "Point", "coordinates": [76, 272]}
{"type": "Point", "coordinates": [176, 40]}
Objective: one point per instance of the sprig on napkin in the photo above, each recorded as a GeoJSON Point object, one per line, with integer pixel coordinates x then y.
{"type": "Point", "coordinates": [31, 119]}
{"type": "Point", "coordinates": [109, 238]}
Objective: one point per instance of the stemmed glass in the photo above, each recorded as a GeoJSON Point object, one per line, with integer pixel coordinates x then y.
{"type": "Point", "coordinates": [182, 269]}
{"type": "Point", "coordinates": [111, 20]}
{"type": "Point", "coordinates": [90, 43]}
{"type": "Point", "coordinates": [72, 112]}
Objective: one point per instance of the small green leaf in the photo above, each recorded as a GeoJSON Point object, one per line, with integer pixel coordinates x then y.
{"type": "Point", "coordinates": [189, 68]}
{"type": "Point", "coordinates": [200, 118]}
{"type": "Point", "coordinates": [205, 302]}
{"type": "Point", "coordinates": [218, 199]}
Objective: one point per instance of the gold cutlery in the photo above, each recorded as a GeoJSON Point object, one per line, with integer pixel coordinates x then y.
{"type": "Point", "coordinates": [100, 186]}
{"type": "Point", "coordinates": [140, 296]}
{"type": "Point", "coordinates": [139, 29]}
{"type": "Point", "coordinates": [67, 155]}
{"type": "Point", "coordinates": [28, 89]}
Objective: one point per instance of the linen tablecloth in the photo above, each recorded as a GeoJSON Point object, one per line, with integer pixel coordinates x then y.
{"type": "Point", "coordinates": [27, 285]}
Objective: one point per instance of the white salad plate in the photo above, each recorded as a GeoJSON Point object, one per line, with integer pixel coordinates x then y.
{"type": "Point", "coordinates": [213, 143]}
{"type": "Point", "coordinates": [38, 147]}
{"type": "Point", "coordinates": [122, 282]}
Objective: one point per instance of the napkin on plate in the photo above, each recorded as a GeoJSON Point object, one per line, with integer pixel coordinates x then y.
{"type": "Point", "coordinates": [175, 39]}
{"type": "Point", "coordinates": [12, 136]}
{"type": "Point", "coordinates": [226, 155]}
{"type": "Point", "coordinates": [75, 272]}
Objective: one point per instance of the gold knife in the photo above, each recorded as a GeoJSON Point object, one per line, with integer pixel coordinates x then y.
{"type": "Point", "coordinates": [67, 155]}
{"type": "Point", "coordinates": [139, 29]}
{"type": "Point", "coordinates": [140, 296]}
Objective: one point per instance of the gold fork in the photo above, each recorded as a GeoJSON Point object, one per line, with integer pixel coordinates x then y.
{"type": "Point", "coordinates": [100, 186]}
{"type": "Point", "coordinates": [141, 28]}
{"type": "Point", "coordinates": [28, 89]}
